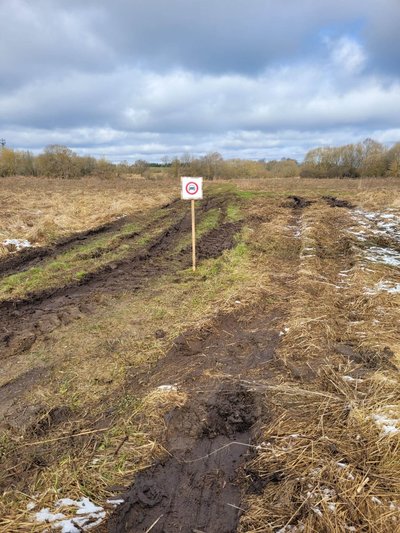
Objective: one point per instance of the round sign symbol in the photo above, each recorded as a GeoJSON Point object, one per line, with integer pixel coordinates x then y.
{"type": "Point", "coordinates": [192, 187]}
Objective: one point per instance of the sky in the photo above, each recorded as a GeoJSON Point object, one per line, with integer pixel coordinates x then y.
{"type": "Point", "coordinates": [148, 79]}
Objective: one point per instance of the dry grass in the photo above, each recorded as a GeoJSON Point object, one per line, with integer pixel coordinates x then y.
{"type": "Point", "coordinates": [42, 210]}
{"type": "Point", "coordinates": [327, 462]}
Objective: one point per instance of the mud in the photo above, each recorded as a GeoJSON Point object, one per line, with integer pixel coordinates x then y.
{"type": "Point", "coordinates": [22, 322]}
{"type": "Point", "coordinates": [297, 202]}
{"type": "Point", "coordinates": [335, 202]}
{"type": "Point", "coordinates": [232, 345]}
{"type": "Point", "coordinates": [196, 488]}
{"type": "Point", "coordinates": [218, 240]}
{"type": "Point", "coordinates": [370, 359]}
{"type": "Point", "coordinates": [14, 413]}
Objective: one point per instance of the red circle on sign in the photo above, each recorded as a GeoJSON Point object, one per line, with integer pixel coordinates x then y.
{"type": "Point", "coordinates": [192, 185]}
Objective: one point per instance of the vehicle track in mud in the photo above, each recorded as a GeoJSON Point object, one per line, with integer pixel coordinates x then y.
{"type": "Point", "coordinates": [23, 321]}
{"type": "Point", "coordinates": [198, 486]}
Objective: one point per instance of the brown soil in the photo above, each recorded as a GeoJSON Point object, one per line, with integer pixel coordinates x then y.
{"type": "Point", "coordinates": [335, 202]}
{"type": "Point", "coordinates": [196, 488]}
{"type": "Point", "coordinates": [298, 202]}
{"type": "Point", "coordinates": [209, 439]}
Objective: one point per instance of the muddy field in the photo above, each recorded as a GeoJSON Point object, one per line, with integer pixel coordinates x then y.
{"type": "Point", "coordinates": [259, 393]}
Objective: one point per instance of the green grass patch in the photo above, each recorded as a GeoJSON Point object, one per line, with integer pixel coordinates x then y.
{"type": "Point", "coordinates": [234, 213]}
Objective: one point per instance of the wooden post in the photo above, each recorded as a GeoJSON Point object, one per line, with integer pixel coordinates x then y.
{"type": "Point", "coordinates": [193, 237]}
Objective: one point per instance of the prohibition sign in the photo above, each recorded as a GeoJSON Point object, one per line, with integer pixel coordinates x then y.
{"type": "Point", "coordinates": [192, 187]}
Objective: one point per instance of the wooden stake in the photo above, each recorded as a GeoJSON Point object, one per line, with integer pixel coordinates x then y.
{"type": "Point", "coordinates": [193, 237]}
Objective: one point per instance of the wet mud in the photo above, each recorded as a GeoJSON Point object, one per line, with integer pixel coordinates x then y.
{"type": "Point", "coordinates": [335, 202]}
{"type": "Point", "coordinates": [298, 202]}
{"type": "Point", "coordinates": [196, 487]}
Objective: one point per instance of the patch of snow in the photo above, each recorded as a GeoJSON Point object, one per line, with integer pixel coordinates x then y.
{"type": "Point", "coordinates": [285, 330]}
{"type": "Point", "coordinates": [387, 425]}
{"type": "Point", "coordinates": [384, 286]}
{"type": "Point", "coordinates": [350, 379]}
{"type": "Point", "coordinates": [316, 510]}
{"type": "Point", "coordinates": [394, 506]}
{"type": "Point", "coordinates": [18, 243]}
{"type": "Point", "coordinates": [115, 501]}
{"type": "Point", "coordinates": [46, 516]}
{"type": "Point", "coordinates": [167, 388]}
{"type": "Point", "coordinates": [30, 506]}
{"type": "Point", "coordinates": [88, 516]}
{"type": "Point", "coordinates": [386, 256]}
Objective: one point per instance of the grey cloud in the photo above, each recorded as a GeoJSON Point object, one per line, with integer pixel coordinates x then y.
{"type": "Point", "coordinates": [150, 77]}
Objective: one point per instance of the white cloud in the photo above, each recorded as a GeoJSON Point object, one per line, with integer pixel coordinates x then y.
{"type": "Point", "coordinates": [348, 54]}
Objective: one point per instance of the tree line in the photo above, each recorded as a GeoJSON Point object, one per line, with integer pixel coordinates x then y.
{"type": "Point", "coordinates": [366, 159]}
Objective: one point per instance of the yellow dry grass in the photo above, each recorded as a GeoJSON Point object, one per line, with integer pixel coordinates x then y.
{"type": "Point", "coordinates": [42, 209]}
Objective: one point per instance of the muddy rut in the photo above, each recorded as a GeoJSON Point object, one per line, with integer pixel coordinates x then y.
{"type": "Point", "coordinates": [198, 486]}
{"type": "Point", "coordinates": [23, 321]}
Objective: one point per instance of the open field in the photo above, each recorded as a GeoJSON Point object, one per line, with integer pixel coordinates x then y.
{"type": "Point", "coordinates": [258, 394]}
{"type": "Point", "coordinates": [42, 210]}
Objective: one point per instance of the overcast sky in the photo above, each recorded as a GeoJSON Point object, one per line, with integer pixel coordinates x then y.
{"type": "Point", "coordinates": [130, 79]}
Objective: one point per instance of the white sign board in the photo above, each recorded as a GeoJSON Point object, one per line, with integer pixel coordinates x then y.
{"type": "Point", "coordinates": [192, 188]}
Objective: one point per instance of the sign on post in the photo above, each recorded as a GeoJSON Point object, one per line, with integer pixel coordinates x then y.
{"type": "Point", "coordinates": [192, 189]}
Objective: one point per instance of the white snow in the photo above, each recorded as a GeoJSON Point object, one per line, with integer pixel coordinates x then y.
{"type": "Point", "coordinates": [387, 425]}
{"type": "Point", "coordinates": [167, 388]}
{"type": "Point", "coordinates": [383, 224]}
{"type": "Point", "coordinates": [115, 501]}
{"type": "Point", "coordinates": [317, 510]}
{"type": "Point", "coordinates": [87, 515]}
{"type": "Point", "coordinates": [350, 379]}
{"type": "Point", "coordinates": [30, 506]}
{"type": "Point", "coordinates": [45, 516]}
{"type": "Point", "coordinates": [386, 256]}
{"type": "Point", "coordinates": [18, 243]}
